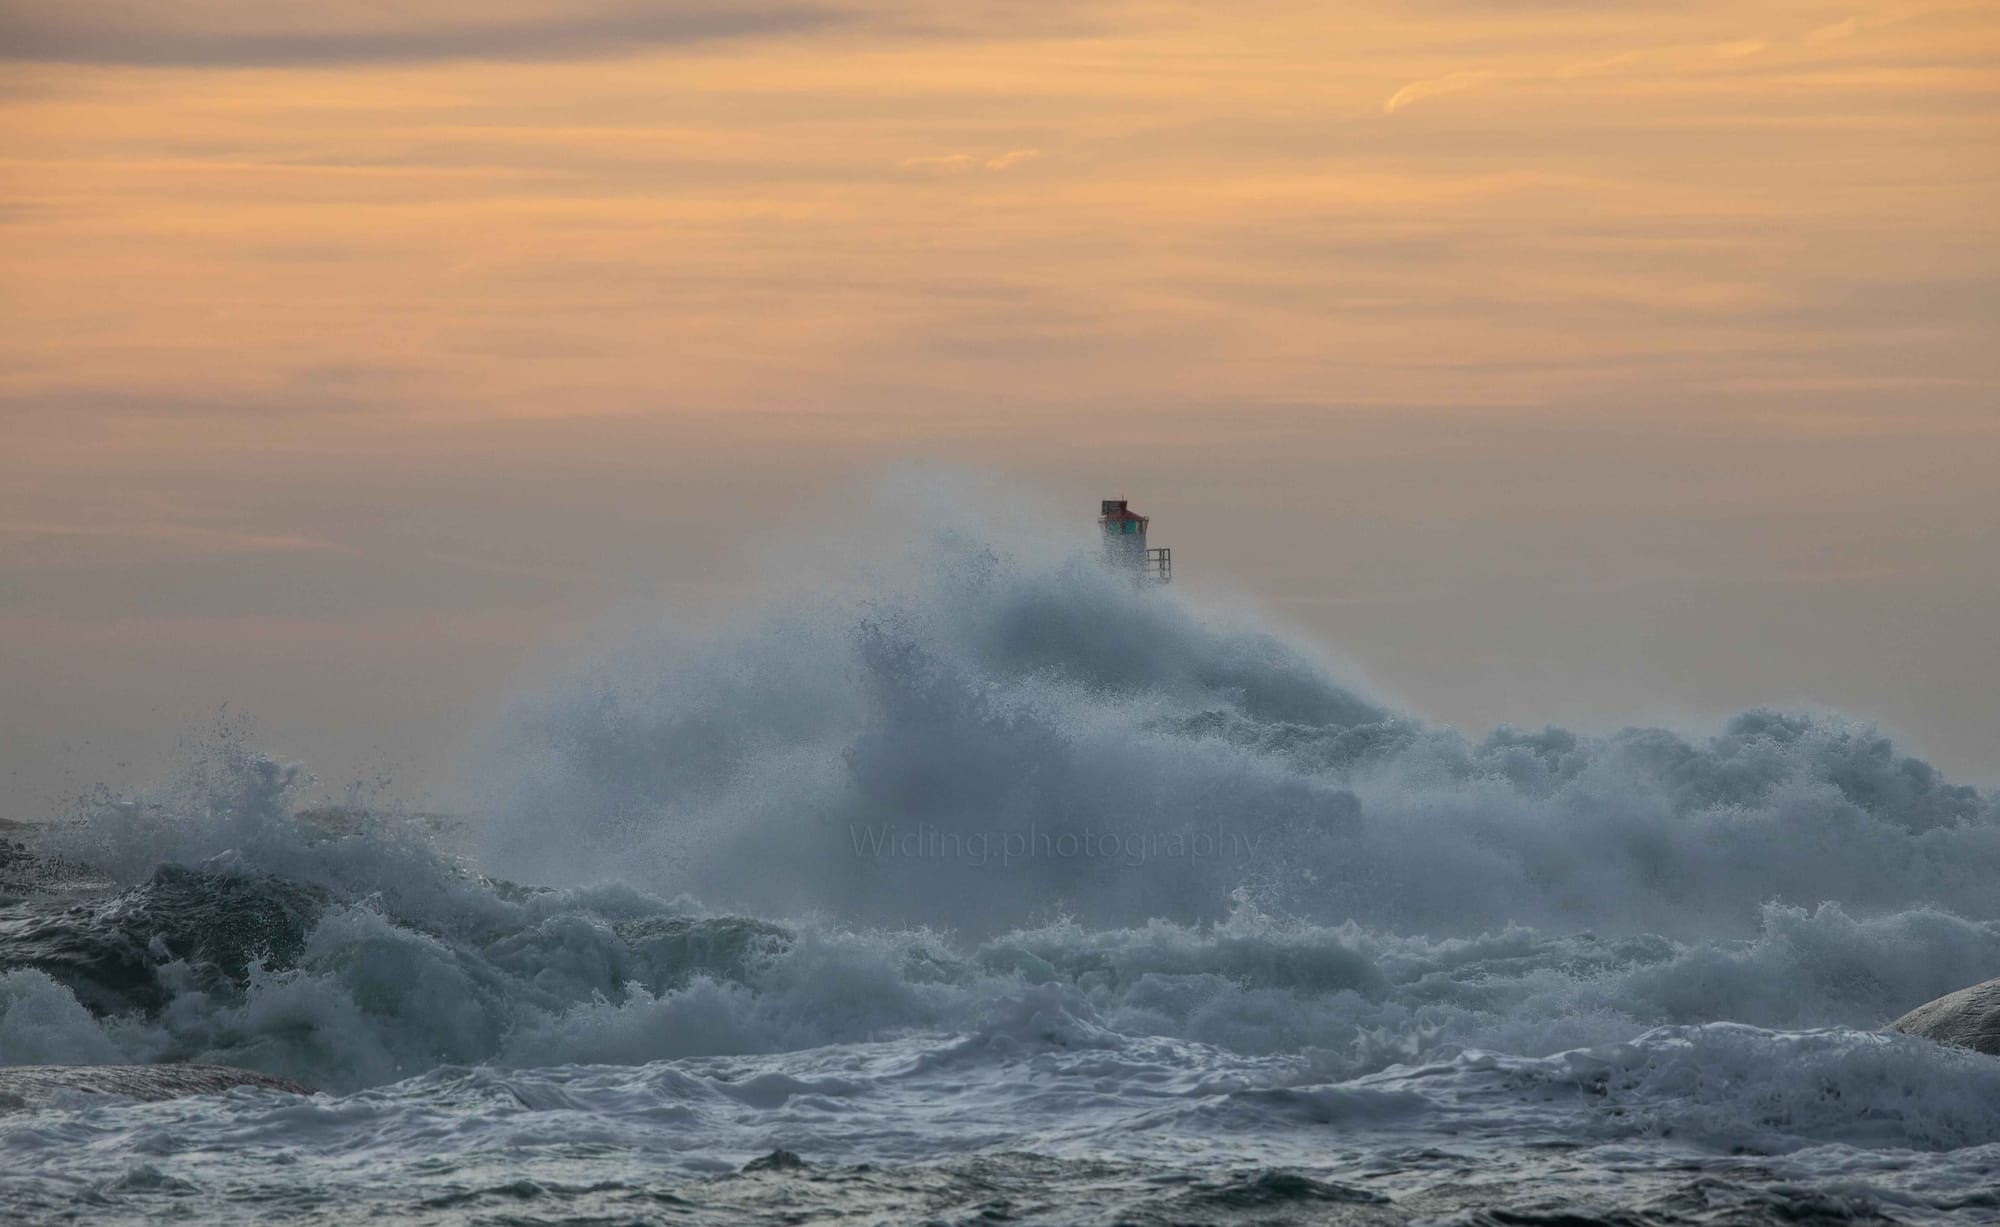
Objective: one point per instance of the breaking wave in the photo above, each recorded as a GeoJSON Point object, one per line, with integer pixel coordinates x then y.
{"type": "Point", "coordinates": [977, 741]}
{"type": "Point", "coordinates": [987, 784]}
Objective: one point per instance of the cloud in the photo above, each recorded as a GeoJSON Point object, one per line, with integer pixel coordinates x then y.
{"type": "Point", "coordinates": [959, 163]}
{"type": "Point", "coordinates": [1012, 158]}
{"type": "Point", "coordinates": [1657, 57]}
{"type": "Point", "coordinates": [245, 33]}
{"type": "Point", "coordinates": [1450, 84]}
{"type": "Point", "coordinates": [942, 164]}
{"type": "Point", "coordinates": [1838, 30]}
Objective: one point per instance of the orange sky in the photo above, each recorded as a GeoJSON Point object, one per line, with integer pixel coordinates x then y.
{"type": "Point", "coordinates": [1512, 305]}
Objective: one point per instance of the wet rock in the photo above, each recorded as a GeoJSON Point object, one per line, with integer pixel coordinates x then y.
{"type": "Point", "coordinates": [776, 1161]}
{"type": "Point", "coordinates": [27, 1086]}
{"type": "Point", "coordinates": [109, 951]}
{"type": "Point", "coordinates": [1968, 1018]}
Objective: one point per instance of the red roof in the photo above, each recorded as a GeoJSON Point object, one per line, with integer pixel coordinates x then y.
{"type": "Point", "coordinates": [1117, 511]}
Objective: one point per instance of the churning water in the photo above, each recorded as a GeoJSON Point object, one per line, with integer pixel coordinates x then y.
{"type": "Point", "coordinates": [999, 889]}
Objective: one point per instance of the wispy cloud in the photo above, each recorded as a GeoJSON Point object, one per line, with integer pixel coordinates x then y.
{"type": "Point", "coordinates": [1838, 30]}
{"type": "Point", "coordinates": [1656, 57]}
{"type": "Point", "coordinates": [1860, 22]}
{"type": "Point", "coordinates": [241, 33]}
{"type": "Point", "coordinates": [1417, 91]}
{"type": "Point", "coordinates": [959, 163]}
{"type": "Point", "coordinates": [1013, 157]}
{"type": "Point", "coordinates": [942, 164]}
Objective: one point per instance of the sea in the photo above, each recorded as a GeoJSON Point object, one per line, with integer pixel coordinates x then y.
{"type": "Point", "coordinates": [994, 888]}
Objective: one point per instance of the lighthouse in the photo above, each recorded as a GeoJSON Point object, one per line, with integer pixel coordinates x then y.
{"type": "Point", "coordinates": [1125, 543]}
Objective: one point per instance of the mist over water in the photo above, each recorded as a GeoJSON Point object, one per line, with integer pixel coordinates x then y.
{"type": "Point", "coordinates": [926, 844]}
{"type": "Point", "coordinates": [984, 738]}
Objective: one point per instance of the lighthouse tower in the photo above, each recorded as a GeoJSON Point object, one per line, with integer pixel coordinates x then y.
{"type": "Point", "coordinates": [1125, 543]}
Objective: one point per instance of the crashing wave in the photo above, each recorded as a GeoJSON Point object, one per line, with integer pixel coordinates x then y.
{"type": "Point", "coordinates": [856, 818]}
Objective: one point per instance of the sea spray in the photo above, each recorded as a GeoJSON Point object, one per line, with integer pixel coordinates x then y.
{"type": "Point", "coordinates": [910, 876]}
{"type": "Point", "coordinates": [974, 703]}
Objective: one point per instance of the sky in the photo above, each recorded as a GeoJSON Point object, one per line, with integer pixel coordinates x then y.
{"type": "Point", "coordinates": [1549, 361]}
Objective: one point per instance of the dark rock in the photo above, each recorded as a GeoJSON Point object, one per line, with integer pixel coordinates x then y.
{"type": "Point", "coordinates": [776, 1161]}
{"type": "Point", "coordinates": [27, 1086]}
{"type": "Point", "coordinates": [109, 951]}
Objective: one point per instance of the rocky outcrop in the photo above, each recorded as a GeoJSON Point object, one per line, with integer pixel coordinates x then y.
{"type": "Point", "coordinates": [28, 1086]}
{"type": "Point", "coordinates": [109, 951]}
{"type": "Point", "coordinates": [1968, 1018]}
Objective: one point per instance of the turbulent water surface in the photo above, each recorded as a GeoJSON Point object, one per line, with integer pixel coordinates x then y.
{"type": "Point", "coordinates": [1008, 892]}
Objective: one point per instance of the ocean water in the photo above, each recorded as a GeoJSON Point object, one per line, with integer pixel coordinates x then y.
{"type": "Point", "coordinates": [990, 888]}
